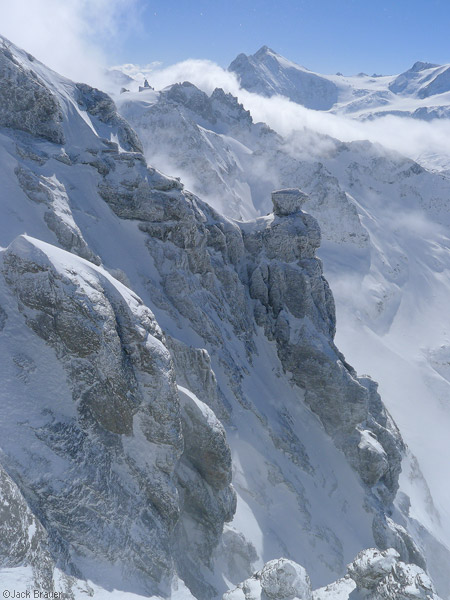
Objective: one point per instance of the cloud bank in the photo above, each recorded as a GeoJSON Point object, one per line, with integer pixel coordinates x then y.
{"type": "Point", "coordinates": [76, 38]}
{"type": "Point", "coordinates": [425, 141]}
{"type": "Point", "coordinates": [72, 37]}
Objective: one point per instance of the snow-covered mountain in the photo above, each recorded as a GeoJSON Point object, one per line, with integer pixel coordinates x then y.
{"type": "Point", "coordinates": [176, 418]}
{"type": "Point", "coordinates": [268, 73]}
{"type": "Point", "coordinates": [383, 219]}
{"type": "Point", "coordinates": [422, 92]}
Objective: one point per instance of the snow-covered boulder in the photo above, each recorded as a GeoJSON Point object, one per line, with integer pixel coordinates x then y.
{"type": "Point", "coordinates": [383, 576]}
{"type": "Point", "coordinates": [373, 575]}
{"type": "Point", "coordinates": [279, 579]}
{"type": "Point", "coordinates": [372, 566]}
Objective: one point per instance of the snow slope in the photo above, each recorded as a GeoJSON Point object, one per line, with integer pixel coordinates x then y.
{"type": "Point", "coordinates": [384, 222]}
{"type": "Point", "coordinates": [268, 73]}
{"type": "Point", "coordinates": [124, 474]}
{"type": "Point", "coordinates": [421, 92]}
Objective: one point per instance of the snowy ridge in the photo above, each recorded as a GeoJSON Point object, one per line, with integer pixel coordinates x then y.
{"type": "Point", "coordinates": [268, 73]}
{"type": "Point", "coordinates": [383, 220]}
{"type": "Point", "coordinates": [213, 361]}
{"type": "Point", "coordinates": [421, 92]}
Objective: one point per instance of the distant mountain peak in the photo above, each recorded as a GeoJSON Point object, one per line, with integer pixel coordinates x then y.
{"type": "Point", "coordinates": [422, 66]}
{"type": "Point", "coordinates": [264, 50]}
{"type": "Point", "coordinates": [269, 74]}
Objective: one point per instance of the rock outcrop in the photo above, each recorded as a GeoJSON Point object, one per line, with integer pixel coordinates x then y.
{"type": "Point", "coordinates": [295, 306]}
{"type": "Point", "coordinates": [279, 579]}
{"type": "Point", "coordinates": [51, 193]}
{"type": "Point", "coordinates": [287, 202]}
{"type": "Point", "coordinates": [26, 103]}
{"type": "Point", "coordinates": [100, 105]}
{"type": "Point", "coordinates": [206, 496]}
{"type": "Point", "coordinates": [373, 575]}
{"type": "Point", "coordinates": [132, 465]}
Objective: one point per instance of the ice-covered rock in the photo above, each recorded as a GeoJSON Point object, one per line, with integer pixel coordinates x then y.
{"type": "Point", "coordinates": [373, 575]}
{"type": "Point", "coordinates": [26, 103]}
{"type": "Point", "coordinates": [288, 201]}
{"type": "Point", "coordinates": [279, 579]}
{"type": "Point", "coordinates": [117, 425]}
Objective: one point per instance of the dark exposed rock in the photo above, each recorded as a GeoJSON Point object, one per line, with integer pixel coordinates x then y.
{"type": "Point", "coordinates": [26, 103]}
{"type": "Point", "coordinates": [100, 105]}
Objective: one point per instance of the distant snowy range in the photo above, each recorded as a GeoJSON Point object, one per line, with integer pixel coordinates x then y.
{"type": "Point", "coordinates": [224, 332]}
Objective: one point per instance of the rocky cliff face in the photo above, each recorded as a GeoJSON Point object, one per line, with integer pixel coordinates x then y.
{"type": "Point", "coordinates": [116, 434]}
{"type": "Point", "coordinates": [126, 415]}
{"type": "Point", "coordinates": [296, 308]}
{"type": "Point", "coordinates": [26, 103]}
{"type": "Point", "coordinates": [267, 271]}
{"type": "Point", "coordinates": [273, 261]}
{"type": "Point", "coordinates": [383, 219]}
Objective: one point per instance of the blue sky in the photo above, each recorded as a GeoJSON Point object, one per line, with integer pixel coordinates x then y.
{"type": "Point", "coordinates": [75, 37]}
{"type": "Point", "coordinates": [323, 35]}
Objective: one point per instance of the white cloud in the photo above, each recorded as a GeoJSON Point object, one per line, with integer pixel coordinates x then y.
{"type": "Point", "coordinates": [205, 74]}
{"type": "Point", "coordinates": [428, 142]}
{"type": "Point", "coordinates": [416, 139]}
{"type": "Point", "coordinates": [70, 36]}
{"type": "Point", "coordinates": [75, 37]}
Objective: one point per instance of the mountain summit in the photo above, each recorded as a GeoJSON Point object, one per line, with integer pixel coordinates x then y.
{"type": "Point", "coordinates": [267, 73]}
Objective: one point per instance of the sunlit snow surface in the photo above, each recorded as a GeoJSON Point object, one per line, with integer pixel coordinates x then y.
{"type": "Point", "coordinates": [391, 297]}
{"type": "Point", "coordinates": [312, 511]}
{"type": "Point", "coordinates": [392, 289]}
